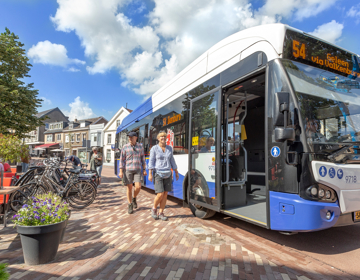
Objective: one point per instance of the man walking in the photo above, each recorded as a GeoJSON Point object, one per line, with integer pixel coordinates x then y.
{"type": "Point", "coordinates": [132, 159]}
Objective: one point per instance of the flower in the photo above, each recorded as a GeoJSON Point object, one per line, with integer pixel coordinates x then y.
{"type": "Point", "coordinates": [42, 220]}
{"type": "Point", "coordinates": [25, 206]}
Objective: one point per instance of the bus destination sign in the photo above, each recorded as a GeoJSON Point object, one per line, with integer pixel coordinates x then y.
{"type": "Point", "coordinates": [308, 50]}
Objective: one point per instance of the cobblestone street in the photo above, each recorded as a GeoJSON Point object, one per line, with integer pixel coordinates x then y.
{"type": "Point", "coordinates": [104, 242]}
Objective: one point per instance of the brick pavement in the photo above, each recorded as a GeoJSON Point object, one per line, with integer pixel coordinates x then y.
{"type": "Point", "coordinates": [104, 242]}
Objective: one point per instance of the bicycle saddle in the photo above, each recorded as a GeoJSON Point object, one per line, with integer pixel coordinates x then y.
{"type": "Point", "coordinates": [76, 171]}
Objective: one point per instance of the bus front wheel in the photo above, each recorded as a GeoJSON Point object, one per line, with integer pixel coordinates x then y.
{"type": "Point", "coordinates": [197, 210]}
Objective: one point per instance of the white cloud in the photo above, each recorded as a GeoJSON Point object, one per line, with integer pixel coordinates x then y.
{"type": "Point", "coordinates": [45, 101]}
{"type": "Point", "coordinates": [72, 69]}
{"type": "Point", "coordinates": [79, 110]}
{"type": "Point", "coordinates": [354, 12]}
{"type": "Point", "coordinates": [330, 31]}
{"type": "Point", "coordinates": [54, 54]}
{"type": "Point", "coordinates": [148, 56]}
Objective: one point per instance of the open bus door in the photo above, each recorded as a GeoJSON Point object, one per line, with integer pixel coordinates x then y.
{"type": "Point", "coordinates": [204, 189]}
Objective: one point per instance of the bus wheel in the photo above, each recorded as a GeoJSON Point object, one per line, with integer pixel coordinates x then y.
{"type": "Point", "coordinates": [197, 210]}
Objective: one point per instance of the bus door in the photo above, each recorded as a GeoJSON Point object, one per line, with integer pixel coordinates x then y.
{"type": "Point", "coordinates": [204, 154]}
{"type": "Point", "coordinates": [243, 175]}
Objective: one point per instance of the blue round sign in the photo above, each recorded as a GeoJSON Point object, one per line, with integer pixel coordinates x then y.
{"type": "Point", "coordinates": [340, 173]}
{"type": "Point", "coordinates": [322, 171]}
{"type": "Point", "coordinates": [332, 172]}
{"type": "Point", "coordinates": [275, 151]}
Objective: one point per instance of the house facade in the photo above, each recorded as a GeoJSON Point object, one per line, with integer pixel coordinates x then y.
{"type": "Point", "coordinates": [109, 134]}
{"type": "Point", "coordinates": [36, 137]}
{"type": "Point", "coordinates": [77, 137]}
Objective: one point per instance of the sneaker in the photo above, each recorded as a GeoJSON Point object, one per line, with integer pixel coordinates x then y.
{"type": "Point", "coordinates": [130, 208]}
{"type": "Point", "coordinates": [162, 217]}
{"type": "Point", "coordinates": [154, 214]}
{"type": "Point", "coordinates": [134, 202]}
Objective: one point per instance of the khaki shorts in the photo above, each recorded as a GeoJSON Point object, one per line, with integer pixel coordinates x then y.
{"type": "Point", "coordinates": [131, 176]}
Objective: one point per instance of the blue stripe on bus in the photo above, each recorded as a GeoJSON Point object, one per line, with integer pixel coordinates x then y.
{"type": "Point", "coordinates": [290, 212]}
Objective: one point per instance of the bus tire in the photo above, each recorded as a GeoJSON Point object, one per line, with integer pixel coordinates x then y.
{"type": "Point", "coordinates": [198, 211]}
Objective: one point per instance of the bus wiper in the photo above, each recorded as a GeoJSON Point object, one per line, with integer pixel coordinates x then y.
{"type": "Point", "coordinates": [333, 156]}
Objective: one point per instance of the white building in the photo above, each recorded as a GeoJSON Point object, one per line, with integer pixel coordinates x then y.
{"type": "Point", "coordinates": [109, 133]}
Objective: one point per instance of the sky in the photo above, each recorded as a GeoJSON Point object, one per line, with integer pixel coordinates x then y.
{"type": "Point", "coordinates": [90, 57]}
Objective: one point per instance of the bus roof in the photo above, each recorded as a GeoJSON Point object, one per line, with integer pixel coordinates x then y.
{"type": "Point", "coordinates": [267, 38]}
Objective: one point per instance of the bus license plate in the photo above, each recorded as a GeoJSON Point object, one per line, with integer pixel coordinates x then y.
{"type": "Point", "coordinates": [357, 216]}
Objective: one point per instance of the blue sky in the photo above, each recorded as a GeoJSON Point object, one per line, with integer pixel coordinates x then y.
{"type": "Point", "coordinates": [90, 57]}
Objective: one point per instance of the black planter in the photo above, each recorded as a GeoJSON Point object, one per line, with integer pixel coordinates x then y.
{"type": "Point", "coordinates": [40, 243]}
{"type": "Point", "coordinates": [64, 229]}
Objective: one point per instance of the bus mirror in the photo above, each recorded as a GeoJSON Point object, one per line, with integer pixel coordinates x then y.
{"type": "Point", "coordinates": [283, 134]}
{"type": "Point", "coordinates": [281, 106]}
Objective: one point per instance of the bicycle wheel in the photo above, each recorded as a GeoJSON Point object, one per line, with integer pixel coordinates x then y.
{"type": "Point", "coordinates": [80, 195]}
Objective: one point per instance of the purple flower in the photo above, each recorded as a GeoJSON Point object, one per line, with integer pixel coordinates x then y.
{"type": "Point", "coordinates": [36, 212]}
{"type": "Point", "coordinates": [37, 217]}
{"type": "Point", "coordinates": [25, 205]}
{"type": "Point", "coordinates": [15, 216]}
{"type": "Point", "coordinates": [42, 220]}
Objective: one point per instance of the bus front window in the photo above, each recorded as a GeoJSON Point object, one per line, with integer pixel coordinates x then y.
{"type": "Point", "coordinates": [328, 104]}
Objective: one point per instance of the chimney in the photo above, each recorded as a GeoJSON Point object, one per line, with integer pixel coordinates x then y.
{"type": "Point", "coordinates": [75, 120]}
{"type": "Point", "coordinates": [126, 106]}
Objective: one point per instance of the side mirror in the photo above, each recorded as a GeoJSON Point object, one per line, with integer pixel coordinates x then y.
{"type": "Point", "coordinates": [281, 105]}
{"type": "Point", "coordinates": [282, 134]}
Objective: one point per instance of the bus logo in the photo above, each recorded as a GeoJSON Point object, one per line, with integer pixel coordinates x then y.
{"type": "Point", "coordinates": [275, 151]}
{"type": "Point", "coordinates": [322, 171]}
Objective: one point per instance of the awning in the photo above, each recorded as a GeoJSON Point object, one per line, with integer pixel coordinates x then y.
{"type": "Point", "coordinates": [45, 146]}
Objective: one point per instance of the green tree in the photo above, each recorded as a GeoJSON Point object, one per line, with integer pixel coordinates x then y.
{"type": "Point", "coordinates": [11, 148]}
{"type": "Point", "coordinates": [18, 100]}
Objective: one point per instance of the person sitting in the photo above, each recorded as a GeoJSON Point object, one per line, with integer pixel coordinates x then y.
{"type": "Point", "coordinates": [209, 143]}
{"type": "Point", "coordinates": [6, 166]}
{"type": "Point", "coordinates": [313, 131]}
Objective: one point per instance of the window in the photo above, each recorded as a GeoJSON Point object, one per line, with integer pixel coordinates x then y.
{"type": "Point", "coordinates": [72, 138]}
{"type": "Point", "coordinates": [95, 138]}
{"type": "Point", "coordinates": [59, 137]}
{"type": "Point", "coordinates": [109, 139]}
{"type": "Point", "coordinates": [46, 126]}
{"type": "Point", "coordinates": [77, 137]}
{"type": "Point", "coordinates": [108, 154]}
{"type": "Point", "coordinates": [71, 126]}
{"type": "Point", "coordinates": [67, 139]}
{"type": "Point", "coordinates": [82, 124]}
{"type": "Point", "coordinates": [49, 138]}
{"type": "Point", "coordinates": [118, 123]}
{"type": "Point", "coordinates": [84, 136]}
{"type": "Point", "coordinates": [67, 152]}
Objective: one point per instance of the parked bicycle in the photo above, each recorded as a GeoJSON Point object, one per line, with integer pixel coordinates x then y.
{"type": "Point", "coordinates": [77, 191]}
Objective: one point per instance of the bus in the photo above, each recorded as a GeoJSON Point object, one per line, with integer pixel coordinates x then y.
{"type": "Point", "coordinates": [265, 127]}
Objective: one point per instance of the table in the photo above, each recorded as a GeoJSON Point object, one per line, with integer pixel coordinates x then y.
{"type": "Point", "coordinates": [7, 191]}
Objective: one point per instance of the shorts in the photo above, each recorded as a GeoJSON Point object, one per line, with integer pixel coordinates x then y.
{"type": "Point", "coordinates": [98, 170]}
{"type": "Point", "coordinates": [131, 176]}
{"type": "Point", "coordinates": [161, 184]}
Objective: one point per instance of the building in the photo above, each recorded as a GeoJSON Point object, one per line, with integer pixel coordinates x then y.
{"type": "Point", "coordinates": [109, 133]}
{"type": "Point", "coordinates": [77, 137]}
{"type": "Point", "coordinates": [36, 138]}
{"type": "Point", "coordinates": [53, 137]}
{"type": "Point", "coordinates": [96, 135]}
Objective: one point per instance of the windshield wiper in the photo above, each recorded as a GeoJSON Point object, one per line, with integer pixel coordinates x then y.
{"type": "Point", "coordinates": [340, 151]}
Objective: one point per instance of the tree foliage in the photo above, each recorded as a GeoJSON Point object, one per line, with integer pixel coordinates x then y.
{"type": "Point", "coordinates": [11, 148]}
{"type": "Point", "coordinates": [18, 100]}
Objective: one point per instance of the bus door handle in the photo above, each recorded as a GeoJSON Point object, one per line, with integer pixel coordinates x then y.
{"type": "Point", "coordinates": [295, 158]}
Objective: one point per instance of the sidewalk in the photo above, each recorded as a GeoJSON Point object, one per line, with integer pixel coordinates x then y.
{"type": "Point", "coordinates": [104, 242]}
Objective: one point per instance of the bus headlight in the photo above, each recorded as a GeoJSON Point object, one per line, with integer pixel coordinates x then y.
{"type": "Point", "coordinates": [319, 192]}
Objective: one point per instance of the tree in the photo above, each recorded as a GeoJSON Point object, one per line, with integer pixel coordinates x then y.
{"type": "Point", "coordinates": [11, 148]}
{"type": "Point", "coordinates": [18, 101]}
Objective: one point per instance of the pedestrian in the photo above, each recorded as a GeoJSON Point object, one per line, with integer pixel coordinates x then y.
{"type": "Point", "coordinates": [96, 162]}
{"type": "Point", "coordinates": [132, 160]}
{"type": "Point", "coordinates": [25, 159]}
{"type": "Point", "coordinates": [160, 164]}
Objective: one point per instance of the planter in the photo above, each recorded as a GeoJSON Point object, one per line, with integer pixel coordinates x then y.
{"type": "Point", "coordinates": [40, 243]}
{"type": "Point", "coordinates": [64, 229]}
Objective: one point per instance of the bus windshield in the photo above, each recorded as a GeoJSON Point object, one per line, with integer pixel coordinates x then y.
{"type": "Point", "coordinates": [329, 104]}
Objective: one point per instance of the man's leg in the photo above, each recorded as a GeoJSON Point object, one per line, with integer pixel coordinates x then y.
{"type": "Point", "coordinates": [129, 192]}
{"type": "Point", "coordinates": [137, 189]}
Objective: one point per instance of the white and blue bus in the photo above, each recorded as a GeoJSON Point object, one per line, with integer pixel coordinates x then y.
{"type": "Point", "coordinates": [265, 127]}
